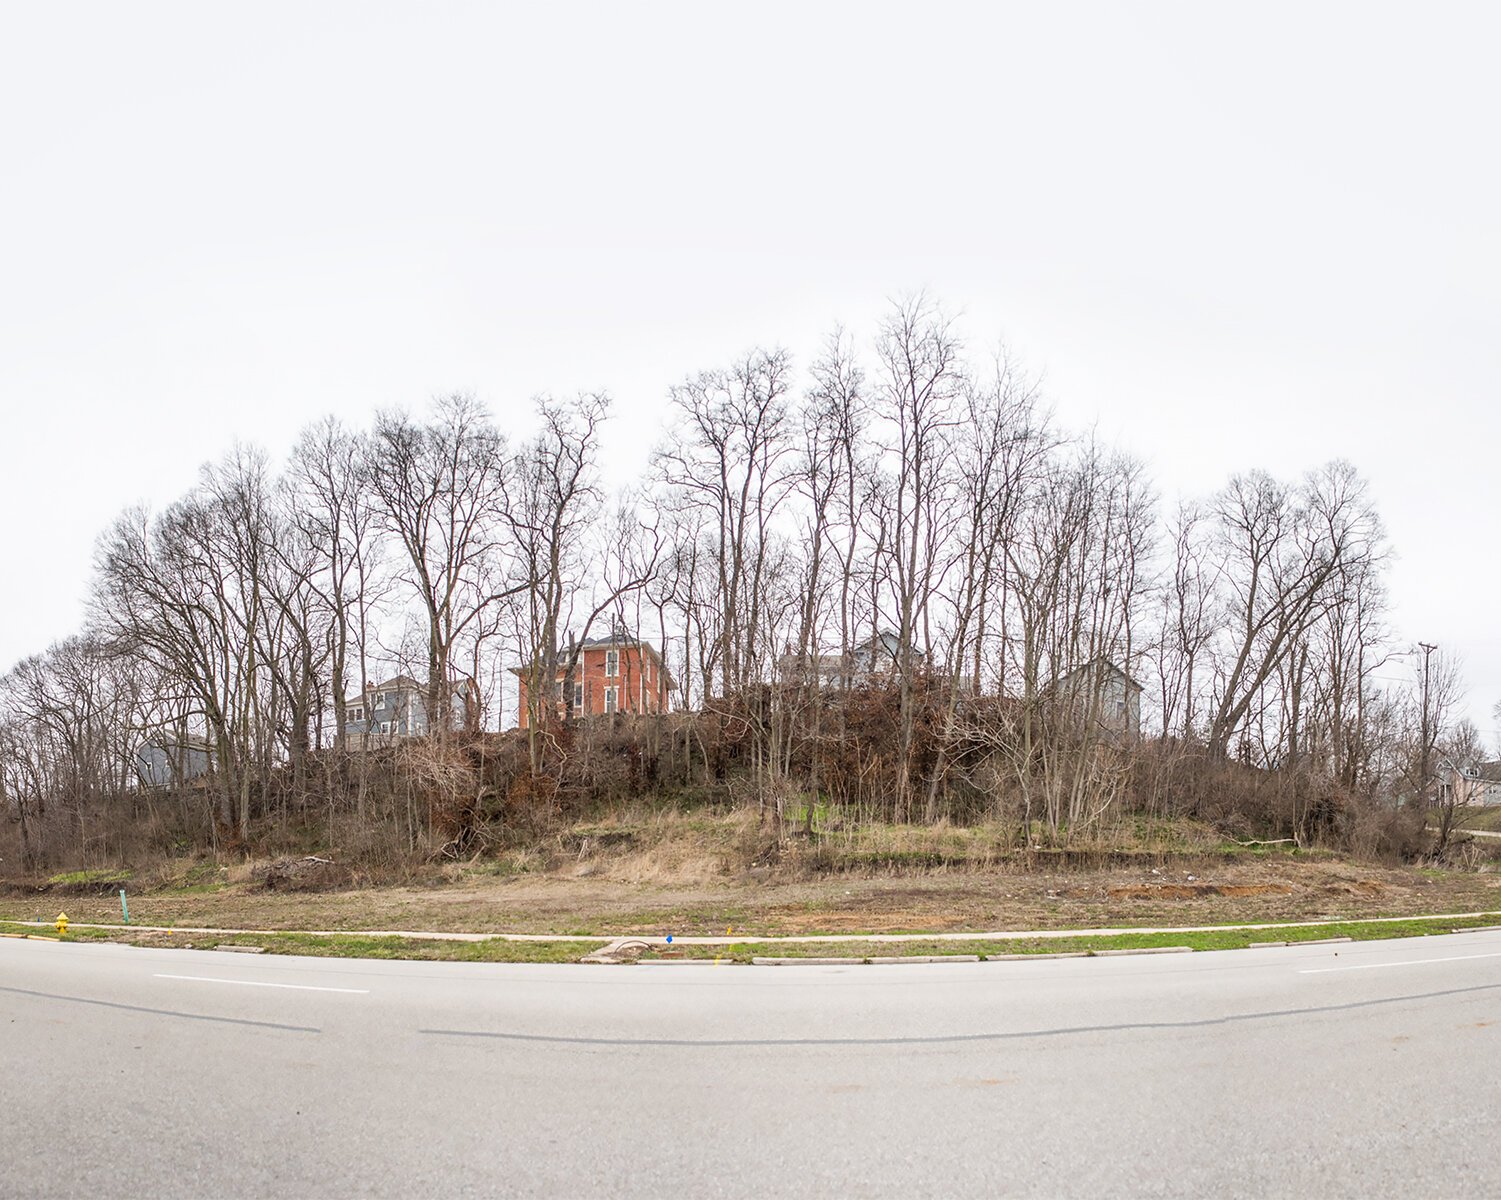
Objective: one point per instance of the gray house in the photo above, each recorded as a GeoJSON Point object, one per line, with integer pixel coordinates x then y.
{"type": "Point", "coordinates": [166, 762]}
{"type": "Point", "coordinates": [397, 709]}
{"type": "Point", "coordinates": [1102, 691]}
{"type": "Point", "coordinates": [875, 660]}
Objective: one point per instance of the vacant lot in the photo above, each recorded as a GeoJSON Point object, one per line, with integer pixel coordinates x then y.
{"type": "Point", "coordinates": [1250, 888]}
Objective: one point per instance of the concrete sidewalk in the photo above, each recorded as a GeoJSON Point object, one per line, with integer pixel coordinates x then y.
{"type": "Point", "coordinates": [660, 939]}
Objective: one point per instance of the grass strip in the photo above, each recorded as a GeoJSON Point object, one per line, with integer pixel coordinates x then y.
{"type": "Point", "coordinates": [354, 945]}
{"type": "Point", "coordinates": [13, 929]}
{"type": "Point", "coordinates": [1218, 939]}
{"type": "Point", "coordinates": [342, 945]}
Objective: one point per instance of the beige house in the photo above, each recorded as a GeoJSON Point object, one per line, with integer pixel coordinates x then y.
{"type": "Point", "coordinates": [1466, 784]}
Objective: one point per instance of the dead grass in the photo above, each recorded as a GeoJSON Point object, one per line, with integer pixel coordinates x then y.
{"type": "Point", "coordinates": [644, 871]}
{"type": "Point", "coordinates": [946, 901]}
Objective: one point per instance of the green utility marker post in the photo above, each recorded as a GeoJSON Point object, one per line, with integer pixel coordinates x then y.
{"type": "Point", "coordinates": [124, 908]}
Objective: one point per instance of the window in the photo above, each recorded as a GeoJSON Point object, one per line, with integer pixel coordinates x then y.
{"type": "Point", "coordinates": [578, 695]}
{"type": "Point", "coordinates": [611, 702]}
{"type": "Point", "coordinates": [612, 663]}
{"type": "Point", "coordinates": [559, 690]}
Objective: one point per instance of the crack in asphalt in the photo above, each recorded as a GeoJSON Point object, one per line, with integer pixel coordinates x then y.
{"type": "Point", "coordinates": [161, 1012]}
{"type": "Point", "coordinates": [953, 1038]}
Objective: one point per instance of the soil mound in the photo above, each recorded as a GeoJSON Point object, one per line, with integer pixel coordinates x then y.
{"type": "Point", "coordinates": [310, 874]}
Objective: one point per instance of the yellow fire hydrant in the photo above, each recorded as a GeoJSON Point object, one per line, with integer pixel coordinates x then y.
{"type": "Point", "coordinates": [62, 924]}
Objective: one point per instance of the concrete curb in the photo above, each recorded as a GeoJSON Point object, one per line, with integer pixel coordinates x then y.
{"type": "Point", "coordinates": [892, 960]}
{"type": "Point", "coordinates": [888, 959]}
{"type": "Point", "coordinates": [680, 962]}
{"type": "Point", "coordinates": [806, 962]}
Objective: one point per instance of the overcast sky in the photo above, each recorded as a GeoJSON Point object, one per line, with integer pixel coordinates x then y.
{"type": "Point", "coordinates": [1229, 236]}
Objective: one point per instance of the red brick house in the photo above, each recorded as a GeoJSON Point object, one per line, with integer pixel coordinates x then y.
{"type": "Point", "coordinates": [614, 674]}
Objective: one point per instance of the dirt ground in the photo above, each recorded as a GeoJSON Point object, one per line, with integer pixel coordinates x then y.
{"type": "Point", "coordinates": [1275, 888]}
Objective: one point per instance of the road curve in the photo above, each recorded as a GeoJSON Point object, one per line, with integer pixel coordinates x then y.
{"type": "Point", "coordinates": [1334, 1070]}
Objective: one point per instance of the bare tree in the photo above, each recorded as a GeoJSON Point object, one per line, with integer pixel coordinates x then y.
{"type": "Point", "coordinates": [1188, 622]}
{"type": "Point", "coordinates": [921, 383]}
{"type": "Point", "coordinates": [331, 508]}
{"type": "Point", "coordinates": [186, 592]}
{"type": "Point", "coordinates": [1286, 552]}
{"type": "Point", "coordinates": [439, 487]}
{"type": "Point", "coordinates": [553, 509]}
{"type": "Point", "coordinates": [730, 459]}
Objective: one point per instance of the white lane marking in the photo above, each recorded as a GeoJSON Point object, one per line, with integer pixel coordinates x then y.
{"type": "Point", "coordinates": [296, 987]}
{"type": "Point", "coordinates": [1412, 962]}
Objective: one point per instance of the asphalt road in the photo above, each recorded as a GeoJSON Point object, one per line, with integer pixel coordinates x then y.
{"type": "Point", "coordinates": [1362, 1069]}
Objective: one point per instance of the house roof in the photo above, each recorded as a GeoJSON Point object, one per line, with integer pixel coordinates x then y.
{"type": "Point", "coordinates": [1479, 772]}
{"type": "Point", "coordinates": [606, 640]}
{"type": "Point", "coordinates": [887, 644]}
{"type": "Point", "coordinates": [405, 683]}
{"type": "Point", "coordinates": [605, 643]}
{"type": "Point", "coordinates": [395, 684]}
{"type": "Point", "coordinates": [167, 742]}
{"type": "Point", "coordinates": [1099, 664]}
{"type": "Point", "coordinates": [887, 641]}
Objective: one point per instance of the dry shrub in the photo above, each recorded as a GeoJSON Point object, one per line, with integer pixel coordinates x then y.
{"type": "Point", "coordinates": [307, 874]}
{"type": "Point", "coordinates": [702, 803]}
{"type": "Point", "coordinates": [1384, 834]}
{"type": "Point", "coordinates": [636, 844]}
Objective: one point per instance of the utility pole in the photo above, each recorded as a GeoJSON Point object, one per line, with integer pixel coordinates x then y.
{"type": "Point", "coordinates": [1427, 731]}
